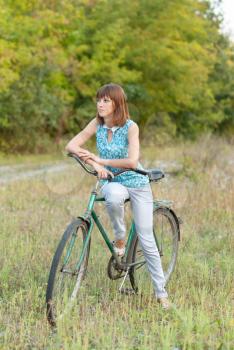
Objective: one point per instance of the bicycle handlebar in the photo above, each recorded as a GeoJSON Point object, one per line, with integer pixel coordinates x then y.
{"type": "Point", "coordinates": [152, 174]}
{"type": "Point", "coordinates": [82, 163]}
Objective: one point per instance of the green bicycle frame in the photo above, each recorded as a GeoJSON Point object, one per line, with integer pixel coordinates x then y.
{"type": "Point", "coordinates": [90, 217]}
{"type": "Point", "coordinates": [104, 233]}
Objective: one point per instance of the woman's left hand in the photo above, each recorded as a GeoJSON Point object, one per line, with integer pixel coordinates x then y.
{"type": "Point", "coordinates": [95, 158]}
{"type": "Point", "coordinates": [85, 155]}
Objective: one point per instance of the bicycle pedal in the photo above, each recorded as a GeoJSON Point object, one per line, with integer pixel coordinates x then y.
{"type": "Point", "coordinates": [127, 291]}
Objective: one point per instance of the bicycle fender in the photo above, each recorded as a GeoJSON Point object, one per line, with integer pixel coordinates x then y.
{"type": "Point", "coordinates": [177, 220]}
{"type": "Point", "coordinates": [166, 204]}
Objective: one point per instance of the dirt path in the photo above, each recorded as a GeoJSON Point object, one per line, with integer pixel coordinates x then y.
{"type": "Point", "coordinates": [12, 173]}
{"type": "Point", "coordinates": [18, 172]}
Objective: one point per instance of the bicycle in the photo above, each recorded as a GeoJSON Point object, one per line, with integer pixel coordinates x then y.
{"type": "Point", "coordinates": [69, 264]}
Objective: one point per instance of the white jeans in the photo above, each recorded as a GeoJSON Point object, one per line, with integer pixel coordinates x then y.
{"type": "Point", "coordinates": [142, 206]}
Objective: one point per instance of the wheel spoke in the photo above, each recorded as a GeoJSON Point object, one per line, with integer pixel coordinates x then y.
{"type": "Point", "coordinates": [166, 238]}
{"type": "Point", "coordinates": [65, 275]}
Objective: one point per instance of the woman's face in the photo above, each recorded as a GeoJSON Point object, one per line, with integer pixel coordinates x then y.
{"type": "Point", "coordinates": [105, 107]}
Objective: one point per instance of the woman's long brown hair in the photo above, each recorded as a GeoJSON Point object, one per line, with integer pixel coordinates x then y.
{"type": "Point", "coordinates": [117, 95]}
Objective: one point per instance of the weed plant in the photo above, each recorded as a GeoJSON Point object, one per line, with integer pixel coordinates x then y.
{"type": "Point", "coordinates": [34, 214]}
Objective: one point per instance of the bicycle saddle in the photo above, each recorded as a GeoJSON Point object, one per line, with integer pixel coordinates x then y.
{"type": "Point", "coordinates": [155, 174]}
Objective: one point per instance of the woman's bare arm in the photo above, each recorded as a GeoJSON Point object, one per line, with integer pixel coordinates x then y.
{"type": "Point", "coordinates": [74, 146]}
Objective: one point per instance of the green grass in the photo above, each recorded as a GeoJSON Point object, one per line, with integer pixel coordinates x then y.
{"type": "Point", "coordinates": [12, 159]}
{"type": "Point", "coordinates": [33, 217]}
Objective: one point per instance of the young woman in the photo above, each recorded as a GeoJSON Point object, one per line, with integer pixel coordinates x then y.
{"type": "Point", "coordinates": [117, 139]}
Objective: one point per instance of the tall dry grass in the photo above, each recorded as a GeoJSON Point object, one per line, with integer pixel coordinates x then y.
{"type": "Point", "coordinates": [34, 214]}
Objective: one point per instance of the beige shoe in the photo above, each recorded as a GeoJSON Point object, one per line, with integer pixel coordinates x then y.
{"type": "Point", "coordinates": [165, 303]}
{"type": "Point", "coordinates": [119, 247]}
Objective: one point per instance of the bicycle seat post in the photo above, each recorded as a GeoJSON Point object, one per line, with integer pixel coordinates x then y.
{"type": "Point", "coordinates": [97, 184]}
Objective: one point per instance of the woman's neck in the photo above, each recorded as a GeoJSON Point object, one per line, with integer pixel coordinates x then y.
{"type": "Point", "coordinates": [109, 122]}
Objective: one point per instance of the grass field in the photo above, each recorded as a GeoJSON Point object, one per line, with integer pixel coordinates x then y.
{"type": "Point", "coordinates": [34, 213]}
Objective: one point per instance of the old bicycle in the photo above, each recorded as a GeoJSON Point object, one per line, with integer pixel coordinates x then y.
{"type": "Point", "coordinates": [69, 264]}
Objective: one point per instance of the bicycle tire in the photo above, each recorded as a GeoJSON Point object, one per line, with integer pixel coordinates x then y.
{"type": "Point", "coordinates": [64, 278]}
{"type": "Point", "coordinates": [166, 232]}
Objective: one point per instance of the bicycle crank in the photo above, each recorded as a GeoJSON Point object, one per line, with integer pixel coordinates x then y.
{"type": "Point", "coordinates": [113, 270]}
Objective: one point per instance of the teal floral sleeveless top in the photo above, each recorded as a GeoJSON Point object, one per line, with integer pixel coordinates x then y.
{"type": "Point", "coordinates": [117, 148]}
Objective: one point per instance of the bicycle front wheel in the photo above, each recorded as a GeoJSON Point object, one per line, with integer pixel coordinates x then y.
{"type": "Point", "coordinates": [67, 270]}
{"type": "Point", "coordinates": [166, 235]}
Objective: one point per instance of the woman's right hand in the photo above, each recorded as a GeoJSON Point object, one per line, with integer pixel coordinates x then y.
{"type": "Point", "coordinates": [102, 172]}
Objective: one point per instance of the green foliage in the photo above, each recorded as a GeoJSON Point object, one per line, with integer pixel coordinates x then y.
{"type": "Point", "coordinates": [222, 83]}
{"type": "Point", "coordinates": [170, 57]}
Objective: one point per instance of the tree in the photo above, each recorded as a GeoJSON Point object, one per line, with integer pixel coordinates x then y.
{"type": "Point", "coordinates": [169, 56]}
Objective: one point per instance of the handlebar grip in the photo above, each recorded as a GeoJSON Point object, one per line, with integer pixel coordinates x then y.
{"type": "Point", "coordinates": [82, 163]}
{"type": "Point", "coordinates": [109, 178]}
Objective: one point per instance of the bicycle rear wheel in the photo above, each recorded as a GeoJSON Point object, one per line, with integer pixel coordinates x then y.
{"type": "Point", "coordinates": [166, 236]}
{"type": "Point", "coordinates": [67, 270]}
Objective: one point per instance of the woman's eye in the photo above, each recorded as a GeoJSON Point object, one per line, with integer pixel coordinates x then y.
{"type": "Point", "coordinates": [105, 100]}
